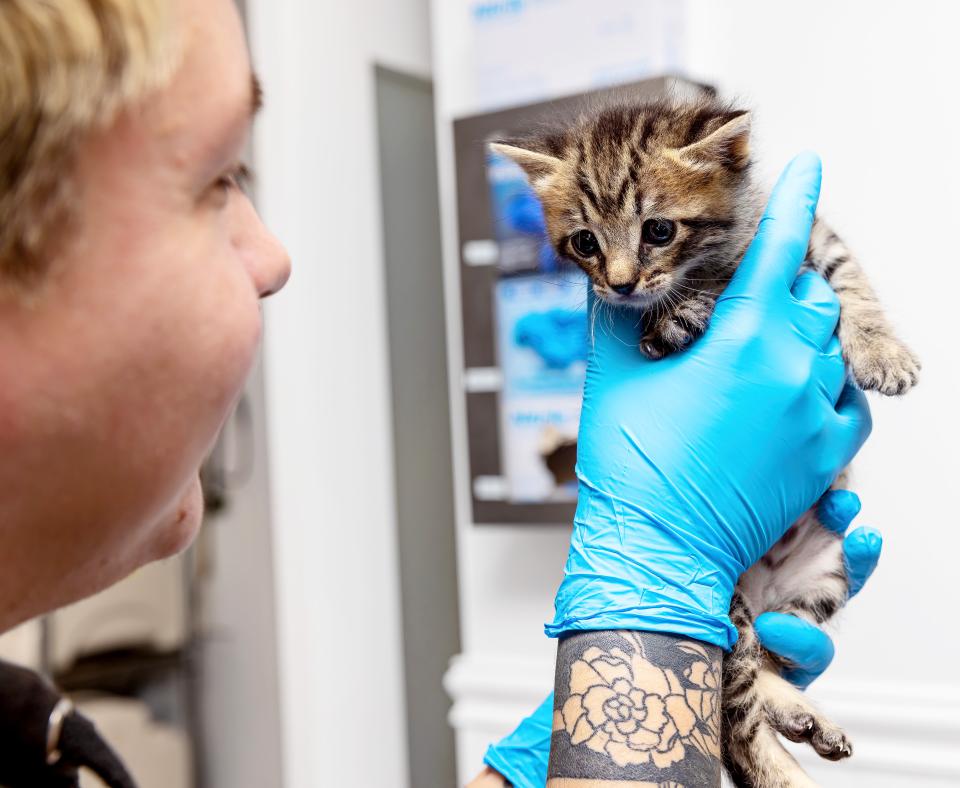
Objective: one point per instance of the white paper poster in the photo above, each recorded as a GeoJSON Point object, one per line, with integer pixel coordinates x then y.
{"type": "Point", "coordinates": [532, 50]}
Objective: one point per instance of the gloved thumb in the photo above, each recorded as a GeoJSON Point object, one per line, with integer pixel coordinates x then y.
{"type": "Point", "coordinates": [780, 245]}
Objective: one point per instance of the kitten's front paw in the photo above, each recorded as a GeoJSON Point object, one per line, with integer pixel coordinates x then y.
{"type": "Point", "coordinates": [883, 364]}
{"type": "Point", "coordinates": [667, 336]}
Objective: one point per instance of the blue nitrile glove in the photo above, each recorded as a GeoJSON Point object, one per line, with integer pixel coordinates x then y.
{"type": "Point", "coordinates": [691, 467]}
{"type": "Point", "coordinates": [808, 647]}
{"type": "Point", "coordinates": [522, 756]}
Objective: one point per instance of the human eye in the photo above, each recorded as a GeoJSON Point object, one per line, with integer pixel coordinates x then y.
{"type": "Point", "coordinates": [237, 178]}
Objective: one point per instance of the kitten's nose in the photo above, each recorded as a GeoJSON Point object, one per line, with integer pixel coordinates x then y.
{"type": "Point", "coordinates": [624, 289]}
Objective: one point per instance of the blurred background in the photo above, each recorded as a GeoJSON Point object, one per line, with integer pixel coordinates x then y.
{"type": "Point", "coordinates": [384, 533]}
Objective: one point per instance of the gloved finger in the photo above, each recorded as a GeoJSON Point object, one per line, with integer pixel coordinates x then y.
{"type": "Point", "coordinates": [820, 307]}
{"type": "Point", "coordinates": [861, 553]}
{"type": "Point", "coordinates": [807, 648]}
{"type": "Point", "coordinates": [853, 424]}
{"type": "Point", "coordinates": [832, 370]}
{"type": "Point", "coordinates": [837, 508]}
{"type": "Point", "coordinates": [780, 245]}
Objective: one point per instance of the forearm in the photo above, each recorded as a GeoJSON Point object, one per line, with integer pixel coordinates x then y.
{"type": "Point", "coordinates": [635, 708]}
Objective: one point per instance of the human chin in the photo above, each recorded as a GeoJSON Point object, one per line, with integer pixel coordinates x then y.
{"type": "Point", "coordinates": [177, 529]}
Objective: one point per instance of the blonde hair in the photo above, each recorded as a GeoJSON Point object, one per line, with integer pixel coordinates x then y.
{"type": "Point", "coordinates": [66, 67]}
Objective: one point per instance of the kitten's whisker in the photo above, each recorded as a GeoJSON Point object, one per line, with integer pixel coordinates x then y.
{"type": "Point", "coordinates": [610, 324]}
{"type": "Point", "coordinates": [696, 290]}
{"type": "Point", "coordinates": [593, 320]}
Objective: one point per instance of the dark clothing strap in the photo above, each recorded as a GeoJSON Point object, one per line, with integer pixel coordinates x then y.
{"type": "Point", "coordinates": [26, 702]}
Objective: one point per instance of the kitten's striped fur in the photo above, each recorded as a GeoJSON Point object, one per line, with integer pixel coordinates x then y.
{"type": "Point", "coordinates": [688, 161]}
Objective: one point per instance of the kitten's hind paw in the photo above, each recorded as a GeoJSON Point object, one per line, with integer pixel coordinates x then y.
{"type": "Point", "coordinates": [883, 364]}
{"type": "Point", "coordinates": [802, 724]}
{"type": "Point", "coordinates": [831, 743]}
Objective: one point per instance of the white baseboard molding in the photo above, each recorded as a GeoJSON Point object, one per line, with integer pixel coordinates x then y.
{"type": "Point", "coordinates": [911, 730]}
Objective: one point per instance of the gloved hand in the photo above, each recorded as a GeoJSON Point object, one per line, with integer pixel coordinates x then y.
{"type": "Point", "coordinates": [691, 467]}
{"type": "Point", "coordinates": [521, 757]}
{"type": "Point", "coordinates": [805, 645]}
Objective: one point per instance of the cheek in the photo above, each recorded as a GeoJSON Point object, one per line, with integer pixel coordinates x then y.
{"type": "Point", "coordinates": [226, 329]}
{"type": "Point", "coordinates": [592, 268]}
{"type": "Point", "coordinates": [661, 261]}
{"type": "Point", "coordinates": [192, 343]}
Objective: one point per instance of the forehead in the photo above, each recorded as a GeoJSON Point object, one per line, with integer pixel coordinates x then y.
{"type": "Point", "coordinates": [652, 125]}
{"type": "Point", "coordinates": [621, 157]}
{"type": "Point", "coordinates": [616, 194]}
{"type": "Point", "coordinates": [211, 89]}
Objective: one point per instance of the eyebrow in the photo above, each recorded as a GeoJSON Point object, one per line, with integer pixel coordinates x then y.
{"type": "Point", "coordinates": [256, 94]}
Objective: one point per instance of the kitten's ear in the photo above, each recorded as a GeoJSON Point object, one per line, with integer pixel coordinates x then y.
{"type": "Point", "coordinates": [539, 166]}
{"type": "Point", "coordinates": [728, 146]}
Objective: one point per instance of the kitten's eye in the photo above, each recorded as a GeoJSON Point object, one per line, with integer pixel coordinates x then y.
{"type": "Point", "coordinates": [658, 232]}
{"type": "Point", "coordinates": [585, 243]}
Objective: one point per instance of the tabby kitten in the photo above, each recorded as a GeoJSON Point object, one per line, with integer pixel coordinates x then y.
{"type": "Point", "coordinates": [654, 201]}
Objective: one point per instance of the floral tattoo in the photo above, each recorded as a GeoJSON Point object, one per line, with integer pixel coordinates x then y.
{"type": "Point", "coordinates": [636, 707]}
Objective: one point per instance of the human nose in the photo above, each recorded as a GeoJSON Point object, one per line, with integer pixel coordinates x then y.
{"type": "Point", "coordinates": [268, 262]}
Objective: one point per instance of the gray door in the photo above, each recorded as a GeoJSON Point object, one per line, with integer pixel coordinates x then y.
{"type": "Point", "coordinates": [418, 368]}
{"type": "Point", "coordinates": [239, 743]}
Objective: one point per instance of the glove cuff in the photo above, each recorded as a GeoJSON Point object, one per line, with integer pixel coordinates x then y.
{"type": "Point", "coordinates": [663, 617]}
{"type": "Point", "coordinates": [627, 569]}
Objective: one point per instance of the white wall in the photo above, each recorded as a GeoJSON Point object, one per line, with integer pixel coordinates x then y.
{"type": "Point", "coordinates": [870, 87]}
{"type": "Point", "coordinates": [327, 388]}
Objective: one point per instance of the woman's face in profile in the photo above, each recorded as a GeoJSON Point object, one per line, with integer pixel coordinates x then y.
{"type": "Point", "coordinates": [123, 370]}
